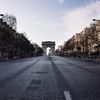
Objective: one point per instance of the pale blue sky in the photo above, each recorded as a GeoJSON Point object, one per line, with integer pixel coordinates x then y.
{"type": "Point", "coordinates": [51, 20]}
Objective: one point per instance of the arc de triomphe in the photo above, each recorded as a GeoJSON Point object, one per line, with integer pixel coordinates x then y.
{"type": "Point", "coordinates": [49, 44]}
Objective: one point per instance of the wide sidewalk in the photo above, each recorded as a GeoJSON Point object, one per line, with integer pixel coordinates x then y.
{"type": "Point", "coordinates": [88, 64]}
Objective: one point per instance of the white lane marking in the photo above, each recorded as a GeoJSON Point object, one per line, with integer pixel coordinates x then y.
{"type": "Point", "coordinates": [67, 95]}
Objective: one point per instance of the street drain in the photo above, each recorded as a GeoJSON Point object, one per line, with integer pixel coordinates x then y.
{"type": "Point", "coordinates": [34, 85]}
{"type": "Point", "coordinates": [40, 72]}
{"type": "Point", "coordinates": [33, 88]}
{"type": "Point", "coordinates": [35, 82]}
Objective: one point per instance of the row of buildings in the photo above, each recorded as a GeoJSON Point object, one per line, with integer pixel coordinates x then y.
{"type": "Point", "coordinates": [14, 44]}
{"type": "Point", "coordinates": [85, 44]}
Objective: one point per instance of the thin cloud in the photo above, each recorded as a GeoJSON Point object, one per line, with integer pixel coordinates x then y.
{"type": "Point", "coordinates": [61, 1]}
{"type": "Point", "coordinates": [33, 17]}
{"type": "Point", "coordinates": [77, 19]}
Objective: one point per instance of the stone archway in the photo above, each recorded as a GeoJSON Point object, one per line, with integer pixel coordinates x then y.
{"type": "Point", "coordinates": [49, 44]}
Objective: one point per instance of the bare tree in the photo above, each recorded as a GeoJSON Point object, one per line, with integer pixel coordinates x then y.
{"type": "Point", "coordinates": [10, 20]}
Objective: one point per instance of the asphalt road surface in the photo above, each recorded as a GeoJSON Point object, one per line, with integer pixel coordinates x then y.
{"type": "Point", "coordinates": [49, 78]}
